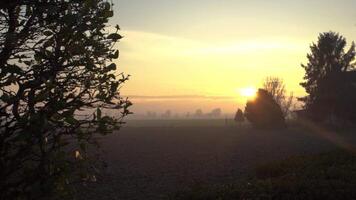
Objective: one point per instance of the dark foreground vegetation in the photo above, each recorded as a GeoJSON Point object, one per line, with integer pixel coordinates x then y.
{"type": "Point", "coordinates": [324, 176]}
{"type": "Point", "coordinates": [59, 82]}
{"type": "Point", "coordinates": [58, 79]}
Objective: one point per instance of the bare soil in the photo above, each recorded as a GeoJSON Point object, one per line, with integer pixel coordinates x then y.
{"type": "Point", "coordinates": [153, 162]}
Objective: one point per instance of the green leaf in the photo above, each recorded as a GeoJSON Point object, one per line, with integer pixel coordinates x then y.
{"type": "Point", "coordinates": [70, 120]}
{"type": "Point", "coordinates": [47, 33]}
{"type": "Point", "coordinates": [83, 146]}
{"type": "Point", "coordinates": [114, 87]}
{"type": "Point", "coordinates": [107, 119]}
{"type": "Point", "coordinates": [5, 97]}
{"type": "Point", "coordinates": [109, 13]}
{"type": "Point", "coordinates": [14, 69]}
{"type": "Point", "coordinates": [115, 55]}
{"type": "Point", "coordinates": [114, 37]}
{"type": "Point", "coordinates": [41, 96]}
{"type": "Point", "coordinates": [98, 113]}
{"type": "Point", "coordinates": [112, 76]}
{"type": "Point", "coordinates": [107, 5]}
{"type": "Point", "coordinates": [37, 57]}
{"type": "Point", "coordinates": [111, 67]}
{"type": "Point", "coordinates": [48, 43]}
{"type": "Point", "coordinates": [28, 11]}
{"type": "Point", "coordinates": [27, 62]}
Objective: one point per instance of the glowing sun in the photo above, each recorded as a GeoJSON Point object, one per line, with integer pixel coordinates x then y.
{"type": "Point", "coordinates": [249, 92]}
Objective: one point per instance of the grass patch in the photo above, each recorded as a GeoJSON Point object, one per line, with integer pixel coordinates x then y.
{"type": "Point", "coordinates": [325, 176]}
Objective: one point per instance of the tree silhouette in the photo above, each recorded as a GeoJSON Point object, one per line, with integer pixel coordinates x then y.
{"type": "Point", "coordinates": [276, 87]}
{"type": "Point", "coordinates": [167, 114]}
{"type": "Point", "coordinates": [330, 78]}
{"type": "Point", "coordinates": [239, 116]}
{"type": "Point", "coordinates": [57, 79]}
{"type": "Point", "coordinates": [215, 113]}
{"type": "Point", "coordinates": [198, 113]}
{"type": "Point", "coordinates": [264, 111]}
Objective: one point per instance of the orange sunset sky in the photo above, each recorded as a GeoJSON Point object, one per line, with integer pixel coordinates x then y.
{"type": "Point", "coordinates": [184, 55]}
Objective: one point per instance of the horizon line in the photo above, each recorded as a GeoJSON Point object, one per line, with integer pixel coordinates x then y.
{"type": "Point", "coordinates": [179, 97]}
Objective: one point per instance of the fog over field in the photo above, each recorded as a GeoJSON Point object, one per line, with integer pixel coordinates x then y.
{"type": "Point", "coordinates": [155, 159]}
{"type": "Point", "coordinates": [177, 100]}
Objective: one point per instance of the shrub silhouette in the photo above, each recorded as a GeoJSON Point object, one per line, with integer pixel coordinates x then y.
{"type": "Point", "coordinates": [264, 111]}
{"type": "Point", "coordinates": [239, 116]}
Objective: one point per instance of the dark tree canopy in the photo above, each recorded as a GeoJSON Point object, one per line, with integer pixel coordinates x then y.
{"type": "Point", "coordinates": [239, 116]}
{"type": "Point", "coordinates": [276, 87]}
{"type": "Point", "coordinates": [57, 79]}
{"type": "Point", "coordinates": [264, 111]}
{"type": "Point", "coordinates": [330, 79]}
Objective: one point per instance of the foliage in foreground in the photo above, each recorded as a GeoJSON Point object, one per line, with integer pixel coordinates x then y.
{"type": "Point", "coordinates": [56, 76]}
{"type": "Point", "coordinates": [325, 176]}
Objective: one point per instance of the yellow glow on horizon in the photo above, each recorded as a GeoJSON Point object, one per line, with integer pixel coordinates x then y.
{"type": "Point", "coordinates": [248, 92]}
{"type": "Point", "coordinates": [175, 65]}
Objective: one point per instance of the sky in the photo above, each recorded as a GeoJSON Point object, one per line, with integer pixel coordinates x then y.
{"type": "Point", "coordinates": [185, 55]}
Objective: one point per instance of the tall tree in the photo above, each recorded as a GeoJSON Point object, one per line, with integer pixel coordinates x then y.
{"type": "Point", "coordinates": [327, 79]}
{"type": "Point", "coordinates": [57, 78]}
{"type": "Point", "coordinates": [276, 87]}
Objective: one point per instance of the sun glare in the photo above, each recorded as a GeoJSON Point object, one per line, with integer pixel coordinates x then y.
{"type": "Point", "coordinates": [249, 92]}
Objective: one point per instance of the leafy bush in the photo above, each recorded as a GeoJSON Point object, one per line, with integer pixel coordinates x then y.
{"type": "Point", "coordinates": [324, 176]}
{"type": "Point", "coordinates": [57, 79]}
{"type": "Point", "coordinates": [239, 116]}
{"type": "Point", "coordinates": [264, 111]}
